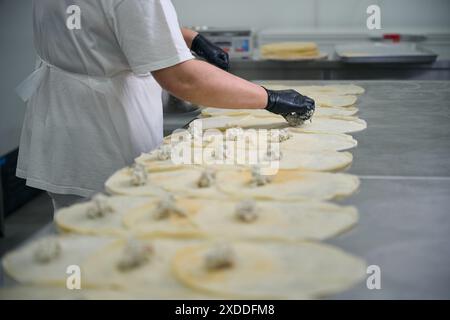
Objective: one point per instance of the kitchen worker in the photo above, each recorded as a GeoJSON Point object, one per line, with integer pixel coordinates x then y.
{"type": "Point", "coordinates": [94, 101]}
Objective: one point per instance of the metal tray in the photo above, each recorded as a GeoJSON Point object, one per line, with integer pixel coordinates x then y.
{"type": "Point", "coordinates": [380, 52]}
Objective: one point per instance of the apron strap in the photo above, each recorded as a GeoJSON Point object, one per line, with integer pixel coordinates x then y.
{"type": "Point", "coordinates": [103, 85]}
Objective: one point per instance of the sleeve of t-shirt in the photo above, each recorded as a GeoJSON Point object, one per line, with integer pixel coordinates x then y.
{"type": "Point", "coordinates": [149, 35]}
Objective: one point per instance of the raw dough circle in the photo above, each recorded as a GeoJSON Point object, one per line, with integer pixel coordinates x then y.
{"type": "Point", "coordinates": [271, 271]}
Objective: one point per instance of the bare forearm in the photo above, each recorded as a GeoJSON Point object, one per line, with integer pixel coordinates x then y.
{"type": "Point", "coordinates": [203, 84]}
{"type": "Point", "coordinates": [188, 36]}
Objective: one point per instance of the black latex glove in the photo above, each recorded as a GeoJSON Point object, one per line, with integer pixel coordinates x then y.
{"type": "Point", "coordinates": [210, 52]}
{"type": "Point", "coordinates": [290, 104]}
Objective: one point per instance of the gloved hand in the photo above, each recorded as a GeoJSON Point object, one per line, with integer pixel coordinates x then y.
{"type": "Point", "coordinates": [210, 52]}
{"type": "Point", "coordinates": [290, 104]}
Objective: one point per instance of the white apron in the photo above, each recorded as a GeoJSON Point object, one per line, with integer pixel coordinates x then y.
{"type": "Point", "coordinates": [95, 107]}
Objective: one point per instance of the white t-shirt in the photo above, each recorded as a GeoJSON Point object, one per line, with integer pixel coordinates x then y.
{"type": "Point", "coordinates": [94, 105]}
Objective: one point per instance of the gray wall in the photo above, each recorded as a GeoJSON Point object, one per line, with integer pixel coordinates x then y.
{"type": "Point", "coordinates": [349, 14]}
{"type": "Point", "coordinates": [17, 61]}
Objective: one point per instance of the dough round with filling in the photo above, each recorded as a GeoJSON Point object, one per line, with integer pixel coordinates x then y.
{"type": "Point", "coordinates": [152, 163]}
{"type": "Point", "coordinates": [332, 100]}
{"type": "Point", "coordinates": [184, 182]}
{"type": "Point", "coordinates": [289, 185]}
{"type": "Point", "coordinates": [142, 220]}
{"type": "Point", "coordinates": [21, 264]}
{"type": "Point", "coordinates": [335, 111]}
{"type": "Point", "coordinates": [152, 278]}
{"type": "Point", "coordinates": [76, 219]}
{"type": "Point", "coordinates": [120, 183]}
{"type": "Point", "coordinates": [276, 221]}
{"type": "Point", "coordinates": [271, 271]}
{"type": "Point", "coordinates": [332, 125]}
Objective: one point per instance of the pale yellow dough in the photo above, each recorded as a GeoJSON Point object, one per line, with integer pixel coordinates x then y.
{"type": "Point", "coordinates": [337, 89]}
{"type": "Point", "coordinates": [153, 164]}
{"type": "Point", "coordinates": [291, 159]}
{"type": "Point", "coordinates": [271, 271]}
{"type": "Point", "coordinates": [75, 218]}
{"type": "Point", "coordinates": [332, 125]}
{"type": "Point", "coordinates": [20, 264]}
{"type": "Point", "coordinates": [120, 184]}
{"type": "Point", "coordinates": [319, 112]}
{"type": "Point", "coordinates": [332, 100]}
{"type": "Point", "coordinates": [142, 220]}
{"type": "Point", "coordinates": [290, 185]}
{"type": "Point", "coordinates": [314, 161]}
{"type": "Point", "coordinates": [152, 280]}
{"type": "Point", "coordinates": [318, 141]}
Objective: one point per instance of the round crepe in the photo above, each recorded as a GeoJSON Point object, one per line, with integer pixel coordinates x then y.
{"type": "Point", "coordinates": [335, 111]}
{"type": "Point", "coordinates": [332, 125]}
{"type": "Point", "coordinates": [152, 279]}
{"type": "Point", "coordinates": [141, 220]}
{"type": "Point", "coordinates": [291, 159]}
{"type": "Point", "coordinates": [220, 122]}
{"type": "Point", "coordinates": [75, 219]}
{"type": "Point", "coordinates": [289, 185]}
{"type": "Point", "coordinates": [332, 100]}
{"type": "Point", "coordinates": [318, 141]}
{"type": "Point", "coordinates": [152, 163]}
{"type": "Point", "coordinates": [120, 183]}
{"type": "Point", "coordinates": [335, 89]}
{"type": "Point", "coordinates": [271, 271]}
{"type": "Point", "coordinates": [21, 265]}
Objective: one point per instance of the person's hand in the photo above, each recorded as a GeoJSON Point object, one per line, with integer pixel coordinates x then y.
{"type": "Point", "coordinates": [290, 104]}
{"type": "Point", "coordinates": [210, 52]}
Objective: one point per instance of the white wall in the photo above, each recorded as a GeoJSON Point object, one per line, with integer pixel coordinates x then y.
{"type": "Point", "coordinates": [17, 61]}
{"type": "Point", "coordinates": [403, 14]}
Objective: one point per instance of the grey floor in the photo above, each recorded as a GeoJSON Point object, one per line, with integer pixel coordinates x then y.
{"type": "Point", "coordinates": [26, 221]}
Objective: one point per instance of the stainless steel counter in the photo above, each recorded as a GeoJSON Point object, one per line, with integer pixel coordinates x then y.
{"type": "Point", "coordinates": [336, 70]}
{"type": "Point", "coordinates": [403, 159]}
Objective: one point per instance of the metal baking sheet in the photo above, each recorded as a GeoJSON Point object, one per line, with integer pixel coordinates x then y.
{"type": "Point", "coordinates": [380, 52]}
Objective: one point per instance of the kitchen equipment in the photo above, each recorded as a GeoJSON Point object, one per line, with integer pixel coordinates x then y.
{"type": "Point", "coordinates": [381, 52]}
{"type": "Point", "coordinates": [238, 42]}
